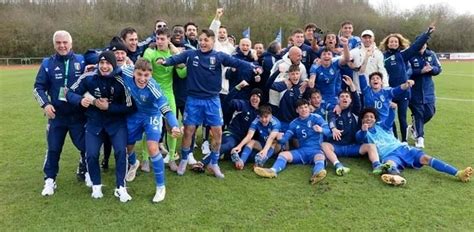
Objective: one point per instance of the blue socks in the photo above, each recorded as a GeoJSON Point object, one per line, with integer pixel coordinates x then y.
{"type": "Point", "coordinates": [185, 152]}
{"type": "Point", "coordinates": [441, 166]}
{"type": "Point", "coordinates": [214, 157]}
{"type": "Point", "coordinates": [375, 164]}
{"type": "Point", "coordinates": [132, 158]}
{"type": "Point", "coordinates": [245, 154]}
{"type": "Point", "coordinates": [319, 166]}
{"type": "Point", "coordinates": [279, 164]}
{"type": "Point", "coordinates": [158, 169]}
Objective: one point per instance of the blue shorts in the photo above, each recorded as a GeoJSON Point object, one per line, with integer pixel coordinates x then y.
{"type": "Point", "coordinates": [138, 123]}
{"type": "Point", "coordinates": [405, 157]}
{"type": "Point", "coordinates": [351, 150]}
{"type": "Point", "coordinates": [305, 155]}
{"type": "Point", "coordinates": [203, 112]}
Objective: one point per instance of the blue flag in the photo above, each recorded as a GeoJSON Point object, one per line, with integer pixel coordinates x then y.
{"type": "Point", "coordinates": [279, 36]}
{"type": "Point", "coordinates": [246, 33]}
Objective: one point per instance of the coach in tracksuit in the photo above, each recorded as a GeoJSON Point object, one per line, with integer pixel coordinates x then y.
{"type": "Point", "coordinates": [103, 94]}
{"type": "Point", "coordinates": [424, 66]}
{"type": "Point", "coordinates": [56, 73]}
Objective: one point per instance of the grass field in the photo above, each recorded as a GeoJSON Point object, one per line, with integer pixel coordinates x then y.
{"type": "Point", "coordinates": [242, 201]}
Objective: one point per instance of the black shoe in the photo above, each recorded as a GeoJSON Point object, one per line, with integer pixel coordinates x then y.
{"type": "Point", "coordinates": [81, 171]}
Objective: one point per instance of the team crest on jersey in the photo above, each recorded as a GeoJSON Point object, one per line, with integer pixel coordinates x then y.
{"type": "Point", "coordinates": [331, 71]}
{"type": "Point", "coordinates": [97, 92]}
{"type": "Point", "coordinates": [143, 98]}
{"type": "Point", "coordinates": [416, 64]}
{"type": "Point", "coordinates": [304, 53]}
{"type": "Point", "coordinates": [429, 58]}
{"type": "Point", "coordinates": [309, 123]}
{"type": "Point", "coordinates": [196, 61]}
{"type": "Point", "coordinates": [212, 60]}
{"type": "Point", "coordinates": [382, 98]}
{"type": "Point", "coordinates": [77, 66]}
{"type": "Point", "coordinates": [392, 57]}
{"type": "Point", "coordinates": [57, 68]}
{"type": "Point", "coordinates": [112, 90]}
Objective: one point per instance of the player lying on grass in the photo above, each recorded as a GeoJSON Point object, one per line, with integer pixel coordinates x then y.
{"type": "Point", "coordinates": [344, 127]}
{"type": "Point", "coordinates": [151, 105]}
{"type": "Point", "coordinates": [268, 127]}
{"type": "Point", "coordinates": [308, 129]}
{"type": "Point", "coordinates": [397, 156]}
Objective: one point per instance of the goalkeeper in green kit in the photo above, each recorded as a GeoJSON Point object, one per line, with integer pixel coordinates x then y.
{"type": "Point", "coordinates": [164, 76]}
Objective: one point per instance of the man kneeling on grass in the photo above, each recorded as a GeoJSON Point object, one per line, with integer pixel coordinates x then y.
{"type": "Point", "coordinates": [307, 129]}
{"type": "Point", "coordinates": [395, 155]}
{"type": "Point", "coordinates": [268, 128]}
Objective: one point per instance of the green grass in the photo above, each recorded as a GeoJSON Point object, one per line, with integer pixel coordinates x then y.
{"type": "Point", "coordinates": [243, 201]}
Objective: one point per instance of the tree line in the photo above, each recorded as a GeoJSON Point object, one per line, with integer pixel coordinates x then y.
{"type": "Point", "coordinates": [27, 25]}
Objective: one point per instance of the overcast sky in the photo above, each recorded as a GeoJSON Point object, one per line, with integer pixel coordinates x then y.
{"type": "Point", "coordinates": [459, 6]}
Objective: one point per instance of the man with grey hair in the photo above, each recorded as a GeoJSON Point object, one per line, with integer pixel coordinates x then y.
{"type": "Point", "coordinates": [56, 74]}
{"type": "Point", "coordinates": [280, 68]}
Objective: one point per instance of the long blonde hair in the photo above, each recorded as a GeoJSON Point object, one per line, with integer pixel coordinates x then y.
{"type": "Point", "coordinates": [403, 43]}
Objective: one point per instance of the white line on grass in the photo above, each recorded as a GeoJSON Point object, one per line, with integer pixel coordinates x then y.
{"type": "Point", "coordinates": [455, 99]}
{"type": "Point", "coordinates": [458, 74]}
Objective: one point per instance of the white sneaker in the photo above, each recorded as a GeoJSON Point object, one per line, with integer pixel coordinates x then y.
{"type": "Point", "coordinates": [163, 149]}
{"type": "Point", "coordinates": [97, 191]}
{"type": "Point", "coordinates": [49, 187]}
{"type": "Point", "coordinates": [173, 166]}
{"type": "Point", "coordinates": [145, 166]}
{"type": "Point", "coordinates": [420, 142]}
{"type": "Point", "coordinates": [205, 148]}
{"type": "Point", "coordinates": [132, 171]}
{"type": "Point", "coordinates": [122, 194]}
{"type": "Point", "coordinates": [160, 194]}
{"type": "Point", "coordinates": [215, 170]}
{"type": "Point", "coordinates": [191, 159]}
{"type": "Point", "coordinates": [182, 167]}
{"type": "Point", "coordinates": [166, 159]}
{"type": "Point", "coordinates": [88, 180]}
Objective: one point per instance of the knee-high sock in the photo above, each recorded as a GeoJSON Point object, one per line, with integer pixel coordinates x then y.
{"type": "Point", "coordinates": [185, 152]}
{"type": "Point", "coordinates": [318, 166]}
{"type": "Point", "coordinates": [171, 143]}
{"type": "Point", "coordinates": [269, 154]}
{"type": "Point", "coordinates": [214, 157]}
{"type": "Point", "coordinates": [442, 166]}
{"type": "Point", "coordinates": [158, 169]}
{"type": "Point", "coordinates": [245, 153]}
{"type": "Point", "coordinates": [279, 164]}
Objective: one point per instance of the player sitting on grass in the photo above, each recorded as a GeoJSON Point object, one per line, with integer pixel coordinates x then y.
{"type": "Point", "coordinates": [268, 128]}
{"type": "Point", "coordinates": [152, 105]}
{"type": "Point", "coordinates": [308, 129]}
{"type": "Point", "coordinates": [344, 127]}
{"type": "Point", "coordinates": [395, 155]}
